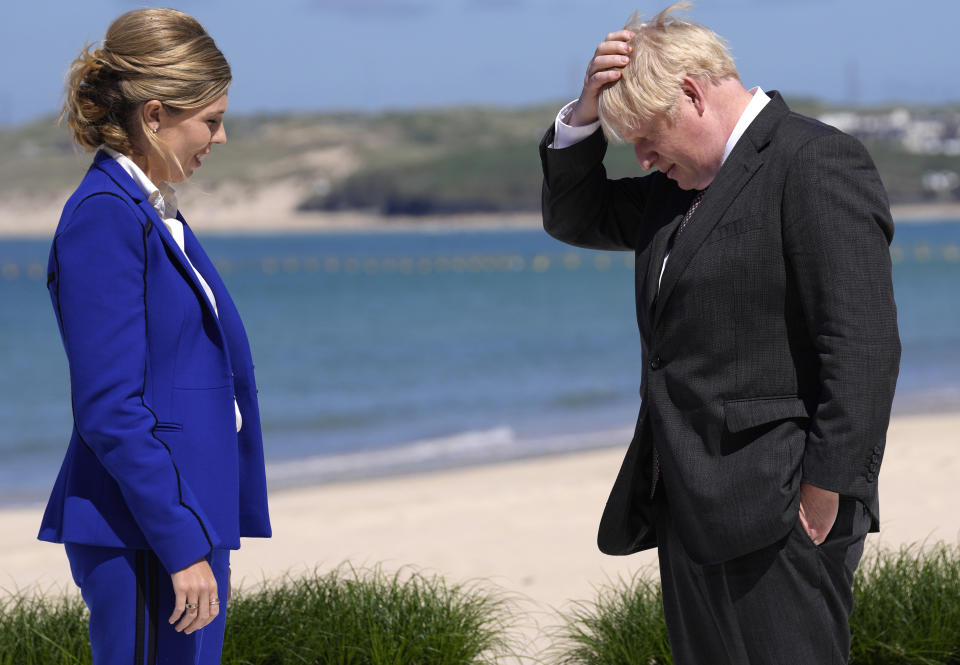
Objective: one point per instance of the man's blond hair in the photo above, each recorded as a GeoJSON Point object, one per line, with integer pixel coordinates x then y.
{"type": "Point", "coordinates": [665, 49]}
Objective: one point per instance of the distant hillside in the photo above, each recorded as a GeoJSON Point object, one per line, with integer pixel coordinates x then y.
{"type": "Point", "coordinates": [432, 162]}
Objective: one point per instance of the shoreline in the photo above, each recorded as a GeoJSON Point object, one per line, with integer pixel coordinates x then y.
{"type": "Point", "coordinates": [921, 452]}
{"type": "Point", "coordinates": [526, 528]}
{"type": "Point", "coordinates": [272, 212]}
{"type": "Point", "coordinates": [426, 458]}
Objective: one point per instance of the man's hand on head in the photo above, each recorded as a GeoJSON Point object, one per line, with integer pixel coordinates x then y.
{"type": "Point", "coordinates": [605, 67]}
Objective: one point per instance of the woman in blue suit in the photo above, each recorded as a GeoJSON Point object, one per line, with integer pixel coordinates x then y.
{"type": "Point", "coordinates": [164, 471]}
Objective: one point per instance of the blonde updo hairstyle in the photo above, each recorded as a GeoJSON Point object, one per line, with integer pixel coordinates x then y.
{"type": "Point", "coordinates": [665, 49]}
{"type": "Point", "coordinates": [147, 54]}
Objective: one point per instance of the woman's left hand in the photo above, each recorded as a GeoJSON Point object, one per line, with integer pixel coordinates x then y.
{"type": "Point", "coordinates": [196, 603]}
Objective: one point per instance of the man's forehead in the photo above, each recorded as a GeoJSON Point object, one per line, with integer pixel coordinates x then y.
{"type": "Point", "coordinates": [640, 130]}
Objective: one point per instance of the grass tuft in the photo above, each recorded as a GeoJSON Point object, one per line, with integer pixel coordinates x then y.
{"type": "Point", "coordinates": [907, 607]}
{"type": "Point", "coordinates": [366, 617]}
{"type": "Point", "coordinates": [907, 612]}
{"type": "Point", "coordinates": [42, 630]}
{"type": "Point", "coordinates": [348, 616]}
{"type": "Point", "coordinates": [623, 625]}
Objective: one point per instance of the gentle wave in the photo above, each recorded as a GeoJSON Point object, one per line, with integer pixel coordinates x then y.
{"type": "Point", "coordinates": [466, 448]}
{"type": "Point", "coordinates": [359, 371]}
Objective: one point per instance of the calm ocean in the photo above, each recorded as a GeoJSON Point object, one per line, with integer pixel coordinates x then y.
{"type": "Point", "coordinates": [391, 352]}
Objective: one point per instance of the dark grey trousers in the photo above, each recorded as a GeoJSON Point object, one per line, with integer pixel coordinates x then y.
{"type": "Point", "coordinates": [787, 604]}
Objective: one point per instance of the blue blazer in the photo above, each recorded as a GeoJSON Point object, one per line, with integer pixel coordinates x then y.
{"type": "Point", "coordinates": [155, 461]}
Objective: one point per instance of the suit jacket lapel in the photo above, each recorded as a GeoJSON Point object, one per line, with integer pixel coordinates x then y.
{"type": "Point", "coordinates": [231, 326]}
{"type": "Point", "coordinates": [736, 172]}
{"type": "Point", "coordinates": [180, 258]}
{"type": "Point", "coordinates": [204, 266]}
{"type": "Point", "coordinates": [658, 250]}
{"type": "Point", "coordinates": [109, 165]}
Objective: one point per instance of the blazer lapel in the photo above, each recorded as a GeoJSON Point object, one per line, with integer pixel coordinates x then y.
{"type": "Point", "coordinates": [180, 258]}
{"type": "Point", "coordinates": [109, 165]}
{"type": "Point", "coordinates": [658, 250]}
{"type": "Point", "coordinates": [231, 326]}
{"type": "Point", "coordinates": [742, 163]}
{"type": "Point", "coordinates": [205, 267]}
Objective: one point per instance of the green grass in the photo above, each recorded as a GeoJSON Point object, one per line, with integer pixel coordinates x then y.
{"type": "Point", "coordinates": [907, 612]}
{"type": "Point", "coordinates": [907, 609]}
{"type": "Point", "coordinates": [366, 617]}
{"type": "Point", "coordinates": [39, 630]}
{"type": "Point", "coordinates": [623, 625]}
{"type": "Point", "coordinates": [345, 617]}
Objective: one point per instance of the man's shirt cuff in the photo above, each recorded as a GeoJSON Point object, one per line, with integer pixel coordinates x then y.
{"type": "Point", "coordinates": [565, 135]}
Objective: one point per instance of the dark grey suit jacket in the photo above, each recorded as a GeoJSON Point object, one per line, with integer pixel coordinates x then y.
{"type": "Point", "coordinates": [771, 350]}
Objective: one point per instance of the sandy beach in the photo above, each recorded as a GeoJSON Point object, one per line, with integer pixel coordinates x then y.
{"type": "Point", "coordinates": [269, 209]}
{"type": "Point", "coordinates": [527, 527]}
{"type": "Point", "coordinates": [272, 209]}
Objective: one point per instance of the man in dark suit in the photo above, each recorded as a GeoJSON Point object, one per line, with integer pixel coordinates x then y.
{"type": "Point", "coordinates": [766, 312]}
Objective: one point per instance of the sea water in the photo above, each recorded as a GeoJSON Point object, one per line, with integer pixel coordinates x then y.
{"type": "Point", "coordinates": [382, 353]}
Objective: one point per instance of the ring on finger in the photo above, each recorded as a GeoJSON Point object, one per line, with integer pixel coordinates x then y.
{"type": "Point", "coordinates": [190, 606]}
{"type": "Point", "coordinates": [215, 601]}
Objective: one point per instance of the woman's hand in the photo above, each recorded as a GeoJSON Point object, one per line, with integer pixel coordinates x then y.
{"type": "Point", "coordinates": [610, 57]}
{"type": "Point", "coordinates": [196, 602]}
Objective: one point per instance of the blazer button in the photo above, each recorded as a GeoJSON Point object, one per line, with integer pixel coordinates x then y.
{"type": "Point", "coordinates": [871, 477]}
{"type": "Point", "coordinates": [655, 363]}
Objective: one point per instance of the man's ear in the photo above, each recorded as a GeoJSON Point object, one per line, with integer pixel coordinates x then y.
{"type": "Point", "coordinates": [693, 93]}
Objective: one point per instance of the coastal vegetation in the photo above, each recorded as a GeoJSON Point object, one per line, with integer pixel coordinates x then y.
{"type": "Point", "coordinates": [908, 608]}
{"type": "Point", "coordinates": [907, 612]}
{"type": "Point", "coordinates": [347, 616]}
{"type": "Point", "coordinates": [443, 161]}
{"type": "Point", "coordinates": [366, 617]}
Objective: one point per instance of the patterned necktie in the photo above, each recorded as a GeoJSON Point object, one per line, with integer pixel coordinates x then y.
{"type": "Point", "coordinates": [655, 475]}
{"type": "Point", "coordinates": [692, 209]}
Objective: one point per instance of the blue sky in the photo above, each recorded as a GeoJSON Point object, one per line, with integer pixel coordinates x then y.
{"type": "Point", "coordinates": [387, 54]}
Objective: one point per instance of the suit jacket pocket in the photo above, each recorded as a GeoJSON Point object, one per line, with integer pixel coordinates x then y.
{"type": "Point", "coordinates": [734, 227]}
{"type": "Point", "coordinates": [168, 427]}
{"type": "Point", "coordinates": [743, 414]}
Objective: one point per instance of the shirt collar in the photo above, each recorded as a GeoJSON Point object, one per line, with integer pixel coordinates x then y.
{"type": "Point", "coordinates": [163, 198]}
{"type": "Point", "coordinates": [753, 109]}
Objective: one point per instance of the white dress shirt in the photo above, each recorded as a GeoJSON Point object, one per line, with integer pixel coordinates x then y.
{"type": "Point", "coordinates": [565, 135]}
{"type": "Point", "coordinates": [165, 203]}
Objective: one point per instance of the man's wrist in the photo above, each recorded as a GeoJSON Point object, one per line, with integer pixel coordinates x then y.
{"type": "Point", "coordinates": [565, 134]}
{"type": "Point", "coordinates": [575, 118]}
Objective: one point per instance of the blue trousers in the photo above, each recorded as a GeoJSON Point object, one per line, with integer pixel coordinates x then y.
{"type": "Point", "coordinates": [130, 597]}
